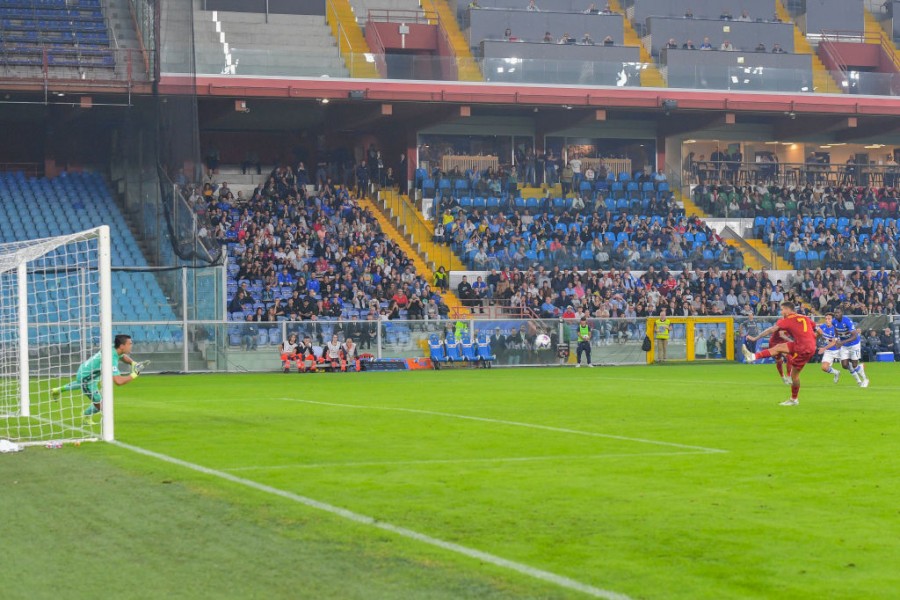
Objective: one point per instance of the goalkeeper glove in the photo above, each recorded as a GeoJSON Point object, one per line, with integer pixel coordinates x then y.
{"type": "Point", "coordinates": [137, 368]}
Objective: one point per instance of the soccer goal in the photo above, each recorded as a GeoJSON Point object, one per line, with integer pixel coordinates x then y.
{"type": "Point", "coordinates": [55, 314]}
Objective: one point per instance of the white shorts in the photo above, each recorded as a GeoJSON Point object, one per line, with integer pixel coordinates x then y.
{"type": "Point", "coordinates": [831, 356]}
{"type": "Point", "coordinates": [851, 352]}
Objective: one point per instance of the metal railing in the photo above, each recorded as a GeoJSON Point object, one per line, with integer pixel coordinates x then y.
{"type": "Point", "coordinates": [422, 17]}
{"type": "Point", "coordinates": [419, 231]}
{"type": "Point", "coordinates": [791, 173]}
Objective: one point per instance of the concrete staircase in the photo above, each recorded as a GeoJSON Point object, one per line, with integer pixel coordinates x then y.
{"type": "Point", "coordinates": [650, 77]}
{"type": "Point", "coordinates": [761, 256]}
{"type": "Point", "coordinates": [823, 82]}
{"type": "Point", "coordinates": [175, 48]}
{"type": "Point", "coordinates": [388, 226]}
{"type": "Point", "coordinates": [467, 67]}
{"type": "Point", "coordinates": [123, 37]}
{"type": "Point", "coordinates": [240, 43]}
{"type": "Point", "coordinates": [877, 34]}
{"type": "Point", "coordinates": [350, 41]}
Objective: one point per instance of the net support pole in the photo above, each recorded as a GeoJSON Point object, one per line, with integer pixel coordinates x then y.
{"type": "Point", "coordinates": [106, 337]}
{"type": "Point", "coordinates": [184, 319]}
{"type": "Point", "coordinates": [24, 385]}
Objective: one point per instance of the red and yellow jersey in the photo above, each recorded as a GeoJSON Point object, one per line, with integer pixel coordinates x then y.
{"type": "Point", "coordinates": [801, 328]}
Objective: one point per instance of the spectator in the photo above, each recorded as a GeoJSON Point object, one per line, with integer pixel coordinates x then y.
{"type": "Point", "coordinates": [688, 45]}
{"type": "Point", "coordinates": [249, 334]}
{"type": "Point", "coordinates": [886, 341]}
{"type": "Point", "coordinates": [464, 292]}
{"type": "Point", "coordinates": [745, 17]}
{"type": "Point", "coordinates": [726, 46]}
{"type": "Point", "coordinates": [706, 44]}
{"type": "Point", "coordinates": [587, 40]}
{"type": "Point", "coordinates": [777, 49]}
{"type": "Point", "coordinates": [548, 37]}
{"type": "Point", "coordinates": [592, 9]}
{"type": "Point", "coordinates": [532, 6]}
{"type": "Point", "coordinates": [609, 41]}
{"type": "Point", "coordinates": [566, 39]}
{"type": "Point", "coordinates": [689, 14]}
{"type": "Point", "coordinates": [672, 44]}
{"type": "Point", "coordinates": [760, 47]}
{"type": "Point", "coordinates": [726, 15]}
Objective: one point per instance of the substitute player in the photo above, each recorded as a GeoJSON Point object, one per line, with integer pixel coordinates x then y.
{"type": "Point", "coordinates": [306, 353]}
{"type": "Point", "coordinates": [584, 342]}
{"type": "Point", "coordinates": [289, 353]}
{"type": "Point", "coordinates": [830, 351]}
{"type": "Point", "coordinates": [803, 347]}
{"type": "Point", "coordinates": [88, 375]}
{"type": "Point", "coordinates": [350, 355]}
{"type": "Point", "coordinates": [333, 353]}
{"type": "Point", "coordinates": [849, 347]}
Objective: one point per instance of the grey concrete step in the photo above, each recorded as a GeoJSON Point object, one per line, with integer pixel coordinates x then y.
{"type": "Point", "coordinates": [233, 39]}
{"type": "Point", "coordinates": [240, 17]}
{"type": "Point", "coordinates": [296, 71]}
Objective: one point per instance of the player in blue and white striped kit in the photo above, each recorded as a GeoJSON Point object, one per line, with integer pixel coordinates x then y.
{"type": "Point", "coordinates": [849, 346]}
{"type": "Point", "coordinates": [830, 352]}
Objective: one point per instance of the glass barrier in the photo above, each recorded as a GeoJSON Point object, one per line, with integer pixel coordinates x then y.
{"type": "Point", "coordinates": [574, 72]}
{"type": "Point", "coordinates": [248, 61]}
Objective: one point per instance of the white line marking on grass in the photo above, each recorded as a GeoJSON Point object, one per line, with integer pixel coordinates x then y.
{"type": "Point", "coordinates": [513, 423]}
{"type": "Point", "coordinates": [453, 461]}
{"type": "Point", "coordinates": [498, 561]}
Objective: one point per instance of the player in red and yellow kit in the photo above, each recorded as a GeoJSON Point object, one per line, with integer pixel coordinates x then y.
{"type": "Point", "coordinates": [802, 347]}
{"type": "Point", "coordinates": [778, 336]}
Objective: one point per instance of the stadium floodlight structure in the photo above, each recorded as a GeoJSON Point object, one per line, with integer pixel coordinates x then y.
{"type": "Point", "coordinates": [55, 313]}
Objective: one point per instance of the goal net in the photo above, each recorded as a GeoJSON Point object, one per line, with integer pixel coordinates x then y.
{"type": "Point", "coordinates": [55, 314]}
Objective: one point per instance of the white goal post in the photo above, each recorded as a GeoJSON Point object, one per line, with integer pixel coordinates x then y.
{"type": "Point", "coordinates": [55, 314]}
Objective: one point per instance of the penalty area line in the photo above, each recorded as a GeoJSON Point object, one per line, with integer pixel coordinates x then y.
{"type": "Point", "coordinates": [545, 576]}
{"type": "Point", "coordinates": [512, 423]}
{"type": "Point", "coordinates": [462, 461]}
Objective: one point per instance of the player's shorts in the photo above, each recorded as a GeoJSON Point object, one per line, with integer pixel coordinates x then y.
{"type": "Point", "coordinates": [851, 352]}
{"type": "Point", "coordinates": [798, 356]}
{"type": "Point", "coordinates": [831, 356]}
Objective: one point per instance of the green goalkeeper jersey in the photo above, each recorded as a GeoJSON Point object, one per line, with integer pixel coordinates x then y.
{"type": "Point", "coordinates": [90, 369]}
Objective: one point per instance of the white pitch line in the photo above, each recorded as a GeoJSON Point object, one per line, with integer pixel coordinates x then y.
{"type": "Point", "coordinates": [513, 423]}
{"type": "Point", "coordinates": [498, 561]}
{"type": "Point", "coordinates": [453, 461]}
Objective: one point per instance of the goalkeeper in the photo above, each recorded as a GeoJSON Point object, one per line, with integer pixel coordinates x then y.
{"type": "Point", "coordinates": [88, 376]}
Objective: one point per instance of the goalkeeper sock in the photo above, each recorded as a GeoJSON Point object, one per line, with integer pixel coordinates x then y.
{"type": "Point", "coordinates": [72, 385]}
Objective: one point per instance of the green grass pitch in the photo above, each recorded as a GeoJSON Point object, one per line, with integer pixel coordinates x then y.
{"type": "Point", "coordinates": [674, 482]}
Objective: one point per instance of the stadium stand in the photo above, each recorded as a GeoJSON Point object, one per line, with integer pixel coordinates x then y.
{"type": "Point", "coordinates": [38, 207]}
{"type": "Point", "coordinates": [245, 44]}
{"type": "Point", "coordinates": [314, 257]}
{"type": "Point", "coordinates": [54, 33]}
{"type": "Point", "coordinates": [538, 292]}
{"type": "Point", "coordinates": [743, 35]}
{"type": "Point", "coordinates": [862, 291]}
